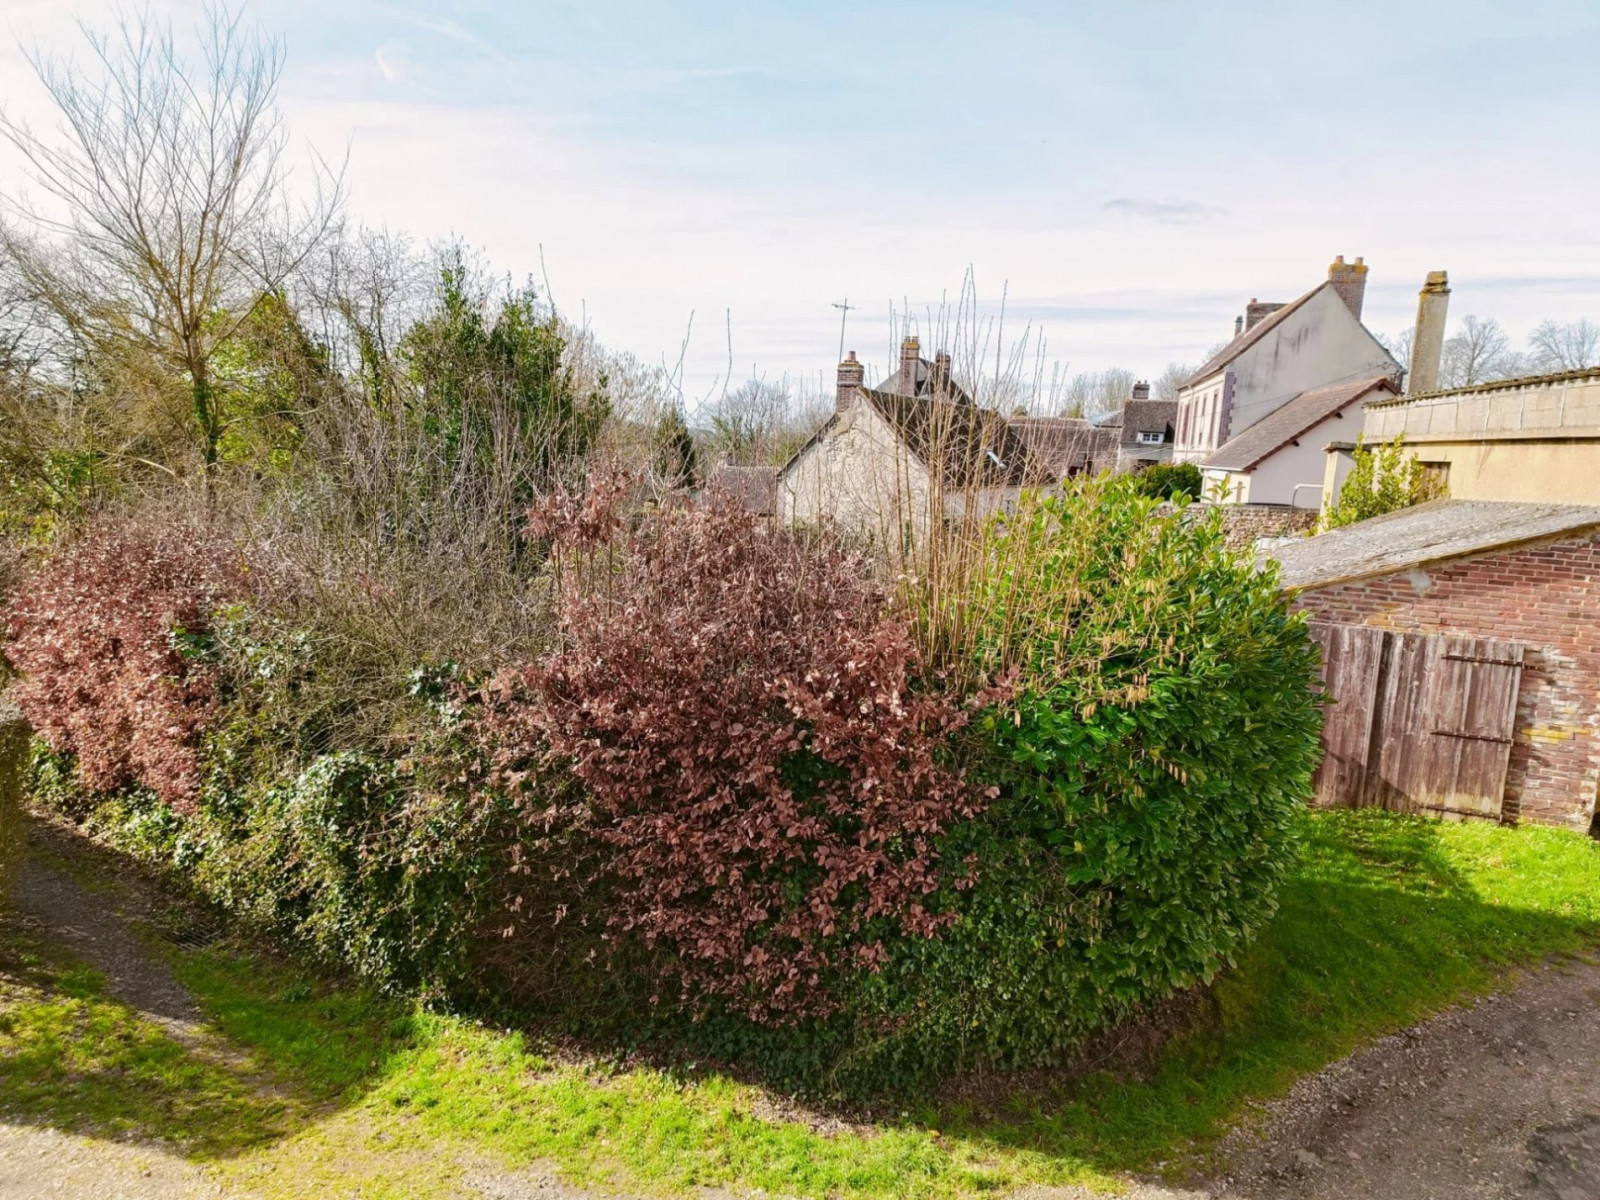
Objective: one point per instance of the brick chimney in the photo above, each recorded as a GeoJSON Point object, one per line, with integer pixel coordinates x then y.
{"type": "Point", "coordinates": [1427, 342]}
{"type": "Point", "coordinates": [941, 374]}
{"type": "Point", "coordinates": [851, 376]}
{"type": "Point", "coordinates": [910, 352]}
{"type": "Point", "coordinates": [1350, 281]}
{"type": "Point", "coordinates": [1141, 390]}
{"type": "Point", "coordinates": [1256, 310]}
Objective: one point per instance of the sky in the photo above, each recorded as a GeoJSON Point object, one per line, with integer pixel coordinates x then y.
{"type": "Point", "coordinates": [1124, 176]}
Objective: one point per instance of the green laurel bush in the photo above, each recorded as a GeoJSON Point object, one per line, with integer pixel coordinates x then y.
{"type": "Point", "coordinates": [1160, 741]}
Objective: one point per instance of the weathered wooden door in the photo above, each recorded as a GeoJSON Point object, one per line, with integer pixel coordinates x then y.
{"type": "Point", "coordinates": [1417, 722]}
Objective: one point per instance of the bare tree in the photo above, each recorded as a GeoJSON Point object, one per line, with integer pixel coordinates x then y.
{"type": "Point", "coordinates": [1167, 383]}
{"type": "Point", "coordinates": [1088, 394]}
{"type": "Point", "coordinates": [1565, 346]}
{"type": "Point", "coordinates": [1399, 346]}
{"type": "Point", "coordinates": [168, 219]}
{"type": "Point", "coordinates": [1478, 353]}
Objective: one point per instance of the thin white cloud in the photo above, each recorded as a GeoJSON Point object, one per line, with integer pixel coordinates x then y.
{"type": "Point", "coordinates": [394, 62]}
{"type": "Point", "coordinates": [1167, 212]}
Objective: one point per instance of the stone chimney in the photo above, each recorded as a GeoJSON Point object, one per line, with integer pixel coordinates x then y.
{"type": "Point", "coordinates": [1427, 342]}
{"type": "Point", "coordinates": [910, 352]}
{"type": "Point", "coordinates": [851, 376]}
{"type": "Point", "coordinates": [1256, 310]}
{"type": "Point", "coordinates": [1350, 281]}
{"type": "Point", "coordinates": [1141, 390]}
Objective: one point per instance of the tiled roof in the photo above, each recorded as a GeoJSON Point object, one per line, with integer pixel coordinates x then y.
{"type": "Point", "coordinates": [1057, 446]}
{"type": "Point", "coordinates": [1251, 336]}
{"type": "Point", "coordinates": [1148, 416]}
{"type": "Point", "coordinates": [1296, 418]}
{"type": "Point", "coordinates": [971, 446]}
{"type": "Point", "coordinates": [924, 382]}
{"type": "Point", "coordinates": [1416, 537]}
{"type": "Point", "coordinates": [755, 488]}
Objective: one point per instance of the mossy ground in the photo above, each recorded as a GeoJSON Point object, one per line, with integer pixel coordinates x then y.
{"type": "Point", "coordinates": [316, 1088]}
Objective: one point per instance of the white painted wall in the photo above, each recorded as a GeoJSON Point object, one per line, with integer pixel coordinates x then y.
{"type": "Point", "coordinates": [1276, 479]}
{"type": "Point", "coordinates": [1319, 344]}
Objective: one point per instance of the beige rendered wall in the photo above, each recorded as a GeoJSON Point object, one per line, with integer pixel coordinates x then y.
{"type": "Point", "coordinates": [1555, 472]}
{"type": "Point", "coordinates": [1538, 440]}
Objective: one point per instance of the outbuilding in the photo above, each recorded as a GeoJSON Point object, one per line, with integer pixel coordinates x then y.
{"type": "Point", "coordinates": [1461, 644]}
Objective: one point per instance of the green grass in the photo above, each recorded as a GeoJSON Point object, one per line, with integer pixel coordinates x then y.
{"type": "Point", "coordinates": [1385, 921]}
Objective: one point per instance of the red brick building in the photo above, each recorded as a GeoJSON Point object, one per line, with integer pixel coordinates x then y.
{"type": "Point", "coordinates": [1525, 574]}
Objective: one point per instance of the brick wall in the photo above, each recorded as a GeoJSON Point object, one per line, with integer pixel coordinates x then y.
{"type": "Point", "coordinates": [1546, 596]}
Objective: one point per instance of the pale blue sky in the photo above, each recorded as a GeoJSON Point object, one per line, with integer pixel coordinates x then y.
{"type": "Point", "coordinates": [1131, 173]}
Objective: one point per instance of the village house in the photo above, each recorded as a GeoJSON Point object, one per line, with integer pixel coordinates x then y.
{"type": "Point", "coordinates": [892, 456]}
{"type": "Point", "coordinates": [1535, 438]}
{"type": "Point", "coordinates": [1137, 435]}
{"type": "Point", "coordinates": [1461, 657]}
{"type": "Point", "coordinates": [1281, 354]}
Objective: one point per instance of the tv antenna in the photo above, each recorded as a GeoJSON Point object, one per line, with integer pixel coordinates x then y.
{"type": "Point", "coordinates": [844, 315]}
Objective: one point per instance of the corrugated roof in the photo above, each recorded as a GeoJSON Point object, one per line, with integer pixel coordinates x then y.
{"type": "Point", "coordinates": [1251, 336]}
{"type": "Point", "coordinates": [1296, 418]}
{"type": "Point", "coordinates": [1497, 385]}
{"type": "Point", "coordinates": [1416, 537]}
{"type": "Point", "coordinates": [1148, 416]}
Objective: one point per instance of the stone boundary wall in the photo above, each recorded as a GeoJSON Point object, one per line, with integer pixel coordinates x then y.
{"type": "Point", "coordinates": [1245, 524]}
{"type": "Point", "coordinates": [1545, 596]}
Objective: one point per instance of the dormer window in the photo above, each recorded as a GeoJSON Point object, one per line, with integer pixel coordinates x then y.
{"type": "Point", "coordinates": [1151, 437]}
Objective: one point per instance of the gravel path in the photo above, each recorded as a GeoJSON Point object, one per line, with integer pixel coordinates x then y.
{"type": "Point", "coordinates": [38, 1163]}
{"type": "Point", "coordinates": [1500, 1099]}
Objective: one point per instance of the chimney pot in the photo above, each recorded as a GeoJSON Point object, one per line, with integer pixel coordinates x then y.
{"type": "Point", "coordinates": [1427, 342]}
{"type": "Point", "coordinates": [1238, 326]}
{"type": "Point", "coordinates": [1350, 281]}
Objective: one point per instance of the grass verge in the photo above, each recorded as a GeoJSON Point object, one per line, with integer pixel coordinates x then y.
{"type": "Point", "coordinates": [1384, 921]}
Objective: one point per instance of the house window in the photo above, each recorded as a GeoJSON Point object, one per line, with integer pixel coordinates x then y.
{"type": "Point", "coordinates": [1151, 437]}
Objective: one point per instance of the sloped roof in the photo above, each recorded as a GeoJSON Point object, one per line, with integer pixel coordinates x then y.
{"type": "Point", "coordinates": [1147, 416]}
{"type": "Point", "coordinates": [1416, 537]}
{"type": "Point", "coordinates": [1295, 419]}
{"type": "Point", "coordinates": [1057, 446]}
{"type": "Point", "coordinates": [924, 382]}
{"type": "Point", "coordinates": [970, 446]}
{"type": "Point", "coordinates": [755, 488]}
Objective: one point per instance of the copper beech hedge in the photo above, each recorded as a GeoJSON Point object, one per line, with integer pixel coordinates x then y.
{"type": "Point", "coordinates": [760, 751]}
{"type": "Point", "coordinates": [99, 637]}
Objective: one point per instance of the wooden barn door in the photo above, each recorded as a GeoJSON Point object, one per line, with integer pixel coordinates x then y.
{"type": "Point", "coordinates": [1352, 667]}
{"type": "Point", "coordinates": [1417, 722]}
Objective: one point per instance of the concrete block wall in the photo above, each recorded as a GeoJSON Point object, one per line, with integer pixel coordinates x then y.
{"type": "Point", "coordinates": [1546, 596]}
